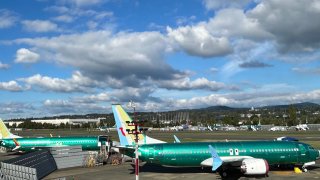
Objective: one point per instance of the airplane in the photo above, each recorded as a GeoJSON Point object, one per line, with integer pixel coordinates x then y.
{"type": "Point", "coordinates": [13, 142]}
{"type": "Point", "coordinates": [278, 128]}
{"type": "Point", "coordinates": [250, 157]}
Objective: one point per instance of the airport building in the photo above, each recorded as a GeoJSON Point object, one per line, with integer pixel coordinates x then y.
{"type": "Point", "coordinates": [59, 121]}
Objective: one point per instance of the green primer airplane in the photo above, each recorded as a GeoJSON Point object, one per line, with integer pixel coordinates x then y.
{"type": "Point", "coordinates": [12, 142]}
{"type": "Point", "coordinates": [251, 157]}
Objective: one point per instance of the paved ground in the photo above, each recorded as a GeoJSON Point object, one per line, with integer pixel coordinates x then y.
{"type": "Point", "coordinates": [154, 172]}
{"type": "Point", "coordinates": [125, 171]}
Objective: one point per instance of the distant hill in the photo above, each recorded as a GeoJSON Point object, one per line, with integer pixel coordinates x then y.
{"type": "Point", "coordinates": [221, 108]}
{"type": "Point", "coordinates": [297, 105]}
{"type": "Point", "coordinates": [303, 105]}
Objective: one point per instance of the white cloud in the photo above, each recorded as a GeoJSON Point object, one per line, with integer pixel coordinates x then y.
{"type": "Point", "coordinates": [26, 56]}
{"type": "Point", "coordinates": [82, 3]}
{"type": "Point", "coordinates": [77, 83]}
{"type": "Point", "coordinates": [128, 59]}
{"type": "Point", "coordinates": [104, 14]}
{"type": "Point", "coordinates": [64, 18]}
{"type": "Point", "coordinates": [71, 107]}
{"type": "Point", "coordinates": [219, 4]}
{"type": "Point", "coordinates": [10, 86]}
{"type": "Point", "coordinates": [15, 109]}
{"type": "Point", "coordinates": [92, 25]}
{"type": "Point", "coordinates": [4, 66]}
{"type": "Point", "coordinates": [39, 26]}
{"type": "Point", "coordinates": [235, 23]}
{"type": "Point", "coordinates": [121, 95]}
{"type": "Point", "coordinates": [197, 41]}
{"type": "Point", "coordinates": [315, 70]}
{"type": "Point", "coordinates": [7, 18]}
{"type": "Point", "coordinates": [199, 83]}
{"type": "Point", "coordinates": [294, 24]}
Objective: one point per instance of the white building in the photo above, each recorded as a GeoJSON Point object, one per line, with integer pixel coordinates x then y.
{"type": "Point", "coordinates": [58, 121]}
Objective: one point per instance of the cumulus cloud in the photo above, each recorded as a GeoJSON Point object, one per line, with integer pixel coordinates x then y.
{"type": "Point", "coordinates": [294, 24]}
{"type": "Point", "coordinates": [24, 55]}
{"type": "Point", "coordinates": [7, 18]}
{"type": "Point", "coordinates": [4, 66]}
{"type": "Point", "coordinates": [200, 83]}
{"type": "Point", "coordinates": [10, 86]}
{"type": "Point", "coordinates": [77, 83]}
{"type": "Point", "coordinates": [125, 58]}
{"type": "Point", "coordinates": [39, 26]}
{"type": "Point", "coordinates": [122, 95]}
{"type": "Point", "coordinates": [254, 64]}
{"type": "Point", "coordinates": [197, 41]}
{"type": "Point", "coordinates": [71, 107]}
{"type": "Point", "coordinates": [234, 23]}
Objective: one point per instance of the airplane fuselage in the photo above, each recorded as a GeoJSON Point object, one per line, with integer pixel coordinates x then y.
{"type": "Point", "coordinates": [29, 144]}
{"type": "Point", "coordinates": [193, 154]}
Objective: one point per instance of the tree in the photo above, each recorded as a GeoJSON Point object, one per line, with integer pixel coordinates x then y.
{"type": "Point", "coordinates": [292, 115]}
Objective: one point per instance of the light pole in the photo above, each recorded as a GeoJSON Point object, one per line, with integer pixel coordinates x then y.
{"type": "Point", "coordinates": [135, 132]}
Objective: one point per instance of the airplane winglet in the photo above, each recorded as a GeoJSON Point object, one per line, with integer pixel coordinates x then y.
{"type": "Point", "coordinates": [216, 160]}
{"type": "Point", "coordinates": [176, 139]}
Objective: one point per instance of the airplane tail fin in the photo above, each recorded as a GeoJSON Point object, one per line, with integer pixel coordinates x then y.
{"type": "Point", "coordinates": [122, 119]}
{"type": "Point", "coordinates": [5, 133]}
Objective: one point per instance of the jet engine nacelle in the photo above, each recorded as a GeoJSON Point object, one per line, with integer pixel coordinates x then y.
{"type": "Point", "coordinates": [254, 166]}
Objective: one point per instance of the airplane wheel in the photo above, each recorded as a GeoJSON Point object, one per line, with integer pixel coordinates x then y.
{"type": "Point", "coordinates": [304, 169]}
{"type": "Point", "coordinates": [223, 174]}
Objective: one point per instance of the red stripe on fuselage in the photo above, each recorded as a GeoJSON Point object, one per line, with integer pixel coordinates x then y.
{"type": "Point", "coordinates": [16, 142]}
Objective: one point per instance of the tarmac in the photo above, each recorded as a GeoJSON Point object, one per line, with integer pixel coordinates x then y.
{"type": "Point", "coordinates": [156, 172]}
{"type": "Point", "coordinates": [149, 171]}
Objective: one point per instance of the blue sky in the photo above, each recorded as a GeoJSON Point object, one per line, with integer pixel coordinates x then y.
{"type": "Point", "coordinates": [80, 56]}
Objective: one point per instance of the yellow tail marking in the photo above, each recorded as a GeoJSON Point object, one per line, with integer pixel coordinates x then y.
{"type": "Point", "coordinates": [4, 130]}
{"type": "Point", "coordinates": [125, 117]}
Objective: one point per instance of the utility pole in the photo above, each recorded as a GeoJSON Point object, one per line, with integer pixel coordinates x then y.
{"type": "Point", "coordinates": [135, 132]}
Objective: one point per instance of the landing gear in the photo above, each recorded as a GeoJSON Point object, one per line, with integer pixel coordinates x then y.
{"type": "Point", "coordinates": [223, 173]}
{"type": "Point", "coordinates": [304, 169]}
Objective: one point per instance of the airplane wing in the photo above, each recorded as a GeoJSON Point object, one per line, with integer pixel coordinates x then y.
{"type": "Point", "coordinates": [225, 160]}
{"type": "Point", "coordinates": [176, 139]}
{"type": "Point", "coordinates": [247, 164]}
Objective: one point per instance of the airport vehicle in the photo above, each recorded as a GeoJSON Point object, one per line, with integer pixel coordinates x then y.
{"type": "Point", "coordinates": [17, 143]}
{"type": "Point", "coordinates": [251, 157]}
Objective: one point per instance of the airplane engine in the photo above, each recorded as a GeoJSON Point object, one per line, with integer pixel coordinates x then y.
{"type": "Point", "coordinates": [254, 166]}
